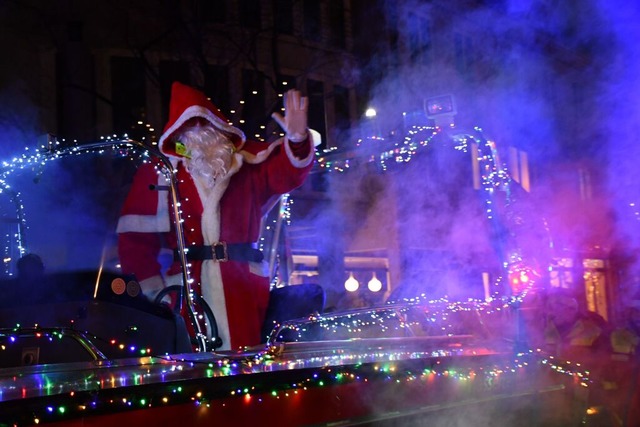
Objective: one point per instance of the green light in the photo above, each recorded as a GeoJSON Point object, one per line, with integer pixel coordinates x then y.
{"type": "Point", "coordinates": [61, 409]}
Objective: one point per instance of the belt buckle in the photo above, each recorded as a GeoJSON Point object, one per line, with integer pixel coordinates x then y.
{"type": "Point", "coordinates": [225, 254]}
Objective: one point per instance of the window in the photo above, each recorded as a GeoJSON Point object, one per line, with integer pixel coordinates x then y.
{"type": "Point", "coordinates": [75, 30]}
{"type": "Point", "coordinates": [341, 105]}
{"type": "Point", "coordinates": [595, 283]}
{"type": "Point", "coordinates": [283, 16]}
{"type": "Point", "coordinates": [76, 96]}
{"type": "Point", "coordinates": [519, 167]}
{"type": "Point", "coordinates": [463, 53]}
{"type": "Point", "coordinates": [336, 23]}
{"type": "Point", "coordinates": [315, 92]}
{"type": "Point", "coordinates": [254, 114]}
{"type": "Point", "coordinates": [561, 273]}
{"type": "Point", "coordinates": [419, 36]}
{"type": "Point", "coordinates": [250, 13]}
{"type": "Point", "coordinates": [586, 187]}
{"type": "Point", "coordinates": [312, 29]}
{"type": "Point", "coordinates": [216, 86]}
{"type": "Point", "coordinates": [128, 95]}
{"type": "Point", "coordinates": [171, 71]}
{"type": "Point", "coordinates": [211, 11]}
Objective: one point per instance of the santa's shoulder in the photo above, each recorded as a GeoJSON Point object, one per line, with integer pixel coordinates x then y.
{"type": "Point", "coordinates": [255, 147]}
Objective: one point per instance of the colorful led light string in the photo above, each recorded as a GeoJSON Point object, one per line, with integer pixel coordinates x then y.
{"type": "Point", "coordinates": [36, 158]}
{"type": "Point", "coordinates": [9, 337]}
{"type": "Point", "coordinates": [421, 380]}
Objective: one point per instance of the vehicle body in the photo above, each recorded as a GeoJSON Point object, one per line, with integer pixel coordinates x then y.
{"type": "Point", "coordinates": [80, 345]}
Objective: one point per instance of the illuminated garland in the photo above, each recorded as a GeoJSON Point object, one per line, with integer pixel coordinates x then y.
{"type": "Point", "coordinates": [413, 375]}
{"type": "Point", "coordinates": [38, 157]}
{"type": "Point", "coordinates": [13, 336]}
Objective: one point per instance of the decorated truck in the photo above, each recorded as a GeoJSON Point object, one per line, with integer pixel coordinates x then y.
{"type": "Point", "coordinates": [80, 344]}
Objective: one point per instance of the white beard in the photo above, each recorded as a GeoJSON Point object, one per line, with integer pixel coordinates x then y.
{"type": "Point", "coordinates": [210, 152]}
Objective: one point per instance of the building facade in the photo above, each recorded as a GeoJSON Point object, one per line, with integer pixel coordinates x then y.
{"type": "Point", "coordinates": [88, 70]}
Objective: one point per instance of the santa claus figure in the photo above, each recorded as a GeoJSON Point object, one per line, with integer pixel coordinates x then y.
{"type": "Point", "coordinates": [225, 184]}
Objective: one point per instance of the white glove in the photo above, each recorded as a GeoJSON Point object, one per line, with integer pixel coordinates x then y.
{"type": "Point", "coordinates": [294, 122]}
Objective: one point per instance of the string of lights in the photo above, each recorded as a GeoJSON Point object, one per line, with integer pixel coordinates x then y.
{"type": "Point", "coordinates": [414, 373]}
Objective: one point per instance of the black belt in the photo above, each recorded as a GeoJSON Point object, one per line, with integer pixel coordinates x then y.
{"type": "Point", "coordinates": [222, 251]}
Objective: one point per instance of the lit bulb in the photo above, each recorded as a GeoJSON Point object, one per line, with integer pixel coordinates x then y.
{"type": "Point", "coordinates": [374, 284]}
{"type": "Point", "coordinates": [351, 284]}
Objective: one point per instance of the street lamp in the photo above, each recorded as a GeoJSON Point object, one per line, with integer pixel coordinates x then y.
{"type": "Point", "coordinates": [374, 284]}
{"type": "Point", "coordinates": [351, 284]}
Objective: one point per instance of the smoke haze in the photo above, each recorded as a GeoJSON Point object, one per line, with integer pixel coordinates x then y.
{"type": "Point", "coordinates": [554, 81]}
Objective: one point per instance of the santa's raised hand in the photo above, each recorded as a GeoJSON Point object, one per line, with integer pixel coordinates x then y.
{"type": "Point", "coordinates": [294, 121]}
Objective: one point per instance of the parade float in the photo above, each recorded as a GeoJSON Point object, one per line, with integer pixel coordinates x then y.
{"type": "Point", "coordinates": [80, 345]}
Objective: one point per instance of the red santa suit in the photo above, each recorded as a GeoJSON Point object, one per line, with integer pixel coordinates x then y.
{"type": "Point", "coordinates": [229, 212]}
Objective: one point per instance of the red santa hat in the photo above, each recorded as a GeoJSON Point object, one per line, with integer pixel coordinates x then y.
{"type": "Point", "coordinates": [188, 103]}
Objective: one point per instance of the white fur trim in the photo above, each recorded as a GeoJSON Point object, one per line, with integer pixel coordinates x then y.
{"type": "Point", "coordinates": [264, 154]}
{"type": "Point", "coordinates": [210, 199]}
{"type": "Point", "coordinates": [255, 159]}
{"type": "Point", "coordinates": [211, 281]}
{"type": "Point", "coordinates": [143, 224]}
{"type": "Point", "coordinates": [296, 162]}
{"type": "Point", "coordinates": [158, 223]}
{"type": "Point", "coordinates": [297, 137]}
{"type": "Point", "coordinates": [205, 113]}
{"type": "Point", "coordinates": [315, 137]}
{"type": "Point", "coordinates": [213, 294]}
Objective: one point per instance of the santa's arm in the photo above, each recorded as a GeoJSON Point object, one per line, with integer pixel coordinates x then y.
{"type": "Point", "coordinates": [291, 162]}
{"type": "Point", "coordinates": [284, 164]}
